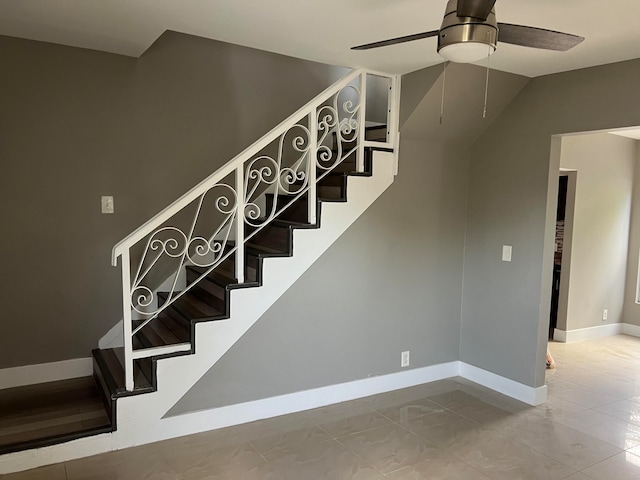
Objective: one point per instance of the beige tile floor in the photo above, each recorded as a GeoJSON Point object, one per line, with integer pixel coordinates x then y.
{"type": "Point", "coordinates": [452, 429]}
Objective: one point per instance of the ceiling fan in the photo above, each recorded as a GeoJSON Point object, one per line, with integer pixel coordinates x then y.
{"type": "Point", "coordinates": [470, 32]}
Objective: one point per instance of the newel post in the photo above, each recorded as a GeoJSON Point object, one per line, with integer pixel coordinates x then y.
{"type": "Point", "coordinates": [126, 320]}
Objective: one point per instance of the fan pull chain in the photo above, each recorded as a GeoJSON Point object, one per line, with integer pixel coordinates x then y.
{"type": "Point", "coordinates": [444, 81]}
{"type": "Point", "coordinates": [486, 86]}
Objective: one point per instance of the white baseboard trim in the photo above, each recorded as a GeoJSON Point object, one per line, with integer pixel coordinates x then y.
{"type": "Point", "coordinates": [577, 335]}
{"type": "Point", "coordinates": [45, 372]}
{"type": "Point", "coordinates": [519, 391]}
{"type": "Point", "coordinates": [629, 329]}
{"type": "Point", "coordinates": [559, 335]}
{"type": "Point", "coordinates": [206, 420]}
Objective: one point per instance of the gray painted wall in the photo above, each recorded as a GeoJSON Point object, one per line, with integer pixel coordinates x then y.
{"type": "Point", "coordinates": [77, 124]}
{"type": "Point", "coordinates": [356, 309]}
{"type": "Point", "coordinates": [631, 308]}
{"type": "Point", "coordinates": [512, 200]}
{"type": "Point", "coordinates": [391, 283]}
{"type": "Point", "coordinates": [415, 86]}
{"type": "Point", "coordinates": [597, 265]}
{"type": "Point", "coordinates": [462, 122]}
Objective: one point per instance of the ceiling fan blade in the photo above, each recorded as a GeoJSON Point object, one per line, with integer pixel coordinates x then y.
{"type": "Point", "coordinates": [395, 41]}
{"type": "Point", "coordinates": [475, 8]}
{"type": "Point", "coordinates": [537, 37]}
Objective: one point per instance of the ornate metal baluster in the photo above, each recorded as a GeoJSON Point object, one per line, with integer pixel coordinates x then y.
{"type": "Point", "coordinates": [239, 223]}
{"type": "Point", "coordinates": [312, 197]}
{"type": "Point", "coordinates": [179, 246]}
{"type": "Point", "coordinates": [361, 124]}
{"type": "Point", "coordinates": [265, 173]}
{"type": "Point", "coordinates": [345, 130]}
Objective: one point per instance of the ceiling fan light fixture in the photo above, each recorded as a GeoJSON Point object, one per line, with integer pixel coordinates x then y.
{"type": "Point", "coordinates": [466, 52]}
{"type": "Point", "coordinates": [469, 23]}
{"type": "Point", "coordinates": [466, 39]}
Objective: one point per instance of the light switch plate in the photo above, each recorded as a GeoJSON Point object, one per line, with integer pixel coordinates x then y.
{"type": "Point", "coordinates": [506, 253]}
{"type": "Point", "coordinates": [107, 204]}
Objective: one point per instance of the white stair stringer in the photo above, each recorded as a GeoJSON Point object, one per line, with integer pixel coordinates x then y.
{"type": "Point", "coordinates": [140, 418]}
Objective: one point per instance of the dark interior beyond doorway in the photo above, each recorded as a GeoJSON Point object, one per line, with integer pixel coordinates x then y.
{"type": "Point", "coordinates": [563, 181]}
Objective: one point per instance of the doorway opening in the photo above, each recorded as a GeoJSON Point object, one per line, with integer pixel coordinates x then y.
{"type": "Point", "coordinates": [563, 181]}
{"type": "Point", "coordinates": [596, 235]}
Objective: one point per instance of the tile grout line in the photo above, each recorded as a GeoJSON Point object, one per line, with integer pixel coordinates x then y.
{"type": "Point", "coordinates": [257, 451]}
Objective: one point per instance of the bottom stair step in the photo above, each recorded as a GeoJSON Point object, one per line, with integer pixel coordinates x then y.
{"type": "Point", "coordinates": [110, 362]}
{"type": "Point", "coordinates": [48, 413]}
{"type": "Point", "coordinates": [109, 375]}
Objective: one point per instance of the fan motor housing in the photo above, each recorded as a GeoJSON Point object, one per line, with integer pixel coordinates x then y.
{"type": "Point", "coordinates": [456, 29]}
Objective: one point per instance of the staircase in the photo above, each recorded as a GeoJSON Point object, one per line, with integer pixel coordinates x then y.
{"type": "Point", "coordinates": [209, 297]}
{"type": "Point", "coordinates": [215, 240]}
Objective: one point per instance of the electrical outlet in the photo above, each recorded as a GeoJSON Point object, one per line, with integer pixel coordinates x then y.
{"type": "Point", "coordinates": [404, 361]}
{"type": "Point", "coordinates": [605, 314]}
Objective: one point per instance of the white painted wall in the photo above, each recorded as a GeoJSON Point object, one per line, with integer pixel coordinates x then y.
{"type": "Point", "coordinates": [605, 166]}
{"type": "Point", "coordinates": [631, 308]}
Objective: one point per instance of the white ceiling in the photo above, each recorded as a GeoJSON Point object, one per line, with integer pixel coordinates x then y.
{"type": "Point", "coordinates": [629, 133]}
{"type": "Point", "coordinates": [324, 30]}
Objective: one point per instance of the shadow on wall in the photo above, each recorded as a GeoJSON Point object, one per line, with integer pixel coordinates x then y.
{"type": "Point", "coordinates": [80, 124]}
{"type": "Point", "coordinates": [462, 122]}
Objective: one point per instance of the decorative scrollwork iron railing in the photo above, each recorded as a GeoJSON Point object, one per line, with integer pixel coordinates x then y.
{"type": "Point", "coordinates": [211, 223]}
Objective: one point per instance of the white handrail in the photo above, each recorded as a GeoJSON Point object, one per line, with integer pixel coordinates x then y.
{"type": "Point", "coordinates": [149, 226]}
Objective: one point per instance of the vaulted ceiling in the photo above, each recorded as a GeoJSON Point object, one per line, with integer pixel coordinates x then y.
{"type": "Point", "coordinates": [324, 31]}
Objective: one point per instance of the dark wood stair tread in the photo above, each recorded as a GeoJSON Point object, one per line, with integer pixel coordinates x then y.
{"type": "Point", "coordinates": [112, 365]}
{"type": "Point", "coordinates": [49, 413]}
{"type": "Point", "coordinates": [163, 330]}
{"type": "Point", "coordinates": [292, 223]}
{"type": "Point", "coordinates": [211, 297]}
{"type": "Point", "coordinates": [222, 276]}
{"type": "Point", "coordinates": [216, 283]}
{"type": "Point", "coordinates": [262, 250]}
{"type": "Point", "coordinates": [192, 307]}
{"type": "Point", "coordinates": [376, 133]}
